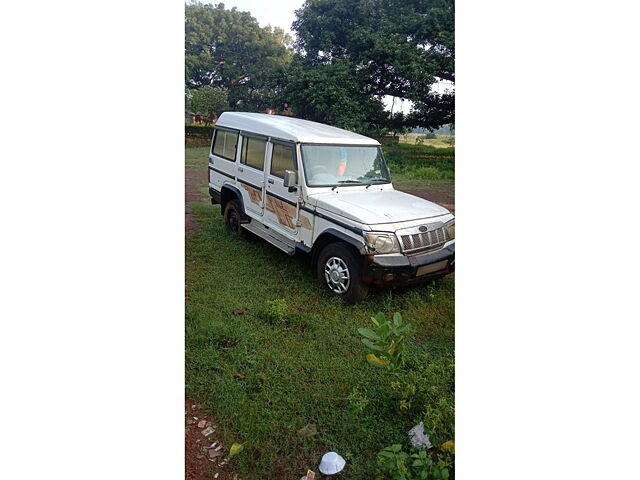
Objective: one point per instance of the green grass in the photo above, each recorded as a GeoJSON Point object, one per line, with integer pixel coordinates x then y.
{"type": "Point", "coordinates": [196, 157]}
{"type": "Point", "coordinates": [421, 162]}
{"type": "Point", "coordinates": [266, 379]}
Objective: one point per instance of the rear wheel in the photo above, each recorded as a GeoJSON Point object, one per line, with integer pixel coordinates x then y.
{"type": "Point", "coordinates": [232, 215]}
{"type": "Point", "coordinates": [339, 271]}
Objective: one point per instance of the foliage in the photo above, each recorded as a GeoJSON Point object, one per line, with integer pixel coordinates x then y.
{"type": "Point", "coordinates": [421, 162]}
{"type": "Point", "coordinates": [229, 49]}
{"type": "Point", "coordinates": [395, 47]}
{"type": "Point", "coordinates": [358, 401]}
{"type": "Point", "coordinates": [395, 464]}
{"type": "Point", "coordinates": [331, 94]}
{"type": "Point", "coordinates": [275, 311]}
{"type": "Point", "coordinates": [208, 101]}
{"type": "Point", "coordinates": [386, 341]}
{"type": "Point", "coordinates": [430, 136]}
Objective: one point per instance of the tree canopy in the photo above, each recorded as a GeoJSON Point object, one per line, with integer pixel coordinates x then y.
{"type": "Point", "coordinates": [349, 54]}
{"type": "Point", "coordinates": [229, 49]}
{"type": "Point", "coordinates": [208, 101]}
{"type": "Point", "coordinates": [394, 47]}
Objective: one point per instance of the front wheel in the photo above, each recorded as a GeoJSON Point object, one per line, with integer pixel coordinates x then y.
{"type": "Point", "coordinates": [339, 271]}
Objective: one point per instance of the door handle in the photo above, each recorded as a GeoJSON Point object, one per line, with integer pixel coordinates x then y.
{"type": "Point", "coordinates": [240, 169]}
{"type": "Point", "coordinates": [270, 180]}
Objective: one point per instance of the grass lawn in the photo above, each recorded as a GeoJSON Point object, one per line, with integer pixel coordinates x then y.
{"type": "Point", "coordinates": [265, 378]}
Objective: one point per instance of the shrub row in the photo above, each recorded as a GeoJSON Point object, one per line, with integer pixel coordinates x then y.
{"type": "Point", "coordinates": [191, 131]}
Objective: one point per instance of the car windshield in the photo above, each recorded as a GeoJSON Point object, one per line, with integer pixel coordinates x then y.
{"type": "Point", "coordinates": [336, 165]}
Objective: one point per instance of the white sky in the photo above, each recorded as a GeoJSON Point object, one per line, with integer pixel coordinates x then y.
{"type": "Point", "coordinates": [280, 13]}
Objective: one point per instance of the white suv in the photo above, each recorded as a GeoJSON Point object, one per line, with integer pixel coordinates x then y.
{"type": "Point", "coordinates": [306, 186]}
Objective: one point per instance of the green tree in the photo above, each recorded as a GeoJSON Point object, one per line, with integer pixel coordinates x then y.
{"type": "Point", "coordinates": [229, 49]}
{"type": "Point", "coordinates": [395, 47]}
{"type": "Point", "coordinates": [330, 93]}
{"type": "Point", "coordinates": [208, 101]}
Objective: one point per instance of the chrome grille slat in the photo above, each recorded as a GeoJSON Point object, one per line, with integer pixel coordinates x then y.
{"type": "Point", "coordinates": [412, 242]}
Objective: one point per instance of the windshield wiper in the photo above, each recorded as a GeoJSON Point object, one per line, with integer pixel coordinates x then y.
{"type": "Point", "coordinates": [377, 180]}
{"type": "Point", "coordinates": [346, 181]}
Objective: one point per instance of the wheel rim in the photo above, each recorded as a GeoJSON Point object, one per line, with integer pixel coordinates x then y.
{"type": "Point", "coordinates": [337, 276]}
{"type": "Point", "coordinates": [233, 221]}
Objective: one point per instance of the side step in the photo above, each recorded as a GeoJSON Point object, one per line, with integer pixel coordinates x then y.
{"type": "Point", "coordinates": [274, 238]}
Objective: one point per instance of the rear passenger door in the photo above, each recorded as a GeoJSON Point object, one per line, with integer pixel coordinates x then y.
{"type": "Point", "coordinates": [222, 157]}
{"type": "Point", "coordinates": [250, 172]}
{"type": "Point", "coordinates": [281, 211]}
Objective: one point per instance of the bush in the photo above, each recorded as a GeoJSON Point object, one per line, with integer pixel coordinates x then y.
{"type": "Point", "coordinates": [430, 136]}
{"type": "Point", "coordinates": [395, 464]}
{"type": "Point", "coordinates": [427, 173]}
{"type": "Point", "coordinates": [274, 311]}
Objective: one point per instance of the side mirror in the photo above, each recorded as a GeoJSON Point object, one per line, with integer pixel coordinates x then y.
{"type": "Point", "coordinates": [290, 178]}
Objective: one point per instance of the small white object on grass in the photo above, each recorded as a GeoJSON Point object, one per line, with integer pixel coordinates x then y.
{"type": "Point", "coordinates": [331, 463]}
{"type": "Point", "coordinates": [418, 438]}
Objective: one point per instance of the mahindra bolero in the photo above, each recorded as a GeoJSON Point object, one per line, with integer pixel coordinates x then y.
{"type": "Point", "coordinates": [307, 187]}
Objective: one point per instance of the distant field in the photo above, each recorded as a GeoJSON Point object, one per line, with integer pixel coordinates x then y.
{"type": "Point", "coordinates": [439, 142]}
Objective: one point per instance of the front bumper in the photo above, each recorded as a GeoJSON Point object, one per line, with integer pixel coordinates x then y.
{"type": "Point", "coordinates": [401, 269]}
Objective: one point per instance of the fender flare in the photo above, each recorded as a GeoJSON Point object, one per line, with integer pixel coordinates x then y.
{"type": "Point", "coordinates": [245, 218]}
{"type": "Point", "coordinates": [359, 245]}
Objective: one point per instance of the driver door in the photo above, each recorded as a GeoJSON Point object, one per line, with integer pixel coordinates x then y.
{"type": "Point", "coordinates": [281, 208]}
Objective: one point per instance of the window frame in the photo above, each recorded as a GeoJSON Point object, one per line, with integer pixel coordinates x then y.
{"type": "Point", "coordinates": [249, 136]}
{"type": "Point", "coordinates": [284, 143]}
{"type": "Point", "coordinates": [235, 149]}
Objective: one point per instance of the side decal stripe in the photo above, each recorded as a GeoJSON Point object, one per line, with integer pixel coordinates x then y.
{"type": "Point", "coordinates": [221, 172]}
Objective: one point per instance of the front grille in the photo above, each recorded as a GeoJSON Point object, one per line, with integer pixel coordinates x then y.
{"type": "Point", "coordinates": [423, 241]}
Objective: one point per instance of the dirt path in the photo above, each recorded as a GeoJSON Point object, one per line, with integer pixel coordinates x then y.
{"type": "Point", "coordinates": [192, 178]}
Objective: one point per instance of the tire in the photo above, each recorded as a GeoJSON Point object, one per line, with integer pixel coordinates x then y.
{"type": "Point", "coordinates": [339, 271]}
{"type": "Point", "coordinates": [232, 215]}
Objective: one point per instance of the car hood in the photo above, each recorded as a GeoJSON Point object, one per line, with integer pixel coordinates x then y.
{"type": "Point", "coordinates": [374, 207]}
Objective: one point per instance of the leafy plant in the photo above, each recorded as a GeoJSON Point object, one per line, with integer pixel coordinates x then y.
{"type": "Point", "coordinates": [358, 401]}
{"type": "Point", "coordinates": [386, 341]}
{"type": "Point", "coordinates": [275, 310]}
{"type": "Point", "coordinates": [395, 464]}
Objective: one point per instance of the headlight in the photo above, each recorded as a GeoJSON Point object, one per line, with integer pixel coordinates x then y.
{"type": "Point", "coordinates": [450, 227]}
{"type": "Point", "coordinates": [381, 242]}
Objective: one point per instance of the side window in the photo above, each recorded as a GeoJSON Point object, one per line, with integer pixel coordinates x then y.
{"type": "Point", "coordinates": [253, 152]}
{"type": "Point", "coordinates": [282, 159]}
{"type": "Point", "coordinates": [224, 144]}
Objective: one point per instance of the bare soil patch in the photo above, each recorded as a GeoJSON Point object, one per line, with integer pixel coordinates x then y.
{"type": "Point", "coordinates": [198, 463]}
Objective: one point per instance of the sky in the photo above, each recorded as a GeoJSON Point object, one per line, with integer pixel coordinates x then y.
{"type": "Point", "coordinates": [280, 13]}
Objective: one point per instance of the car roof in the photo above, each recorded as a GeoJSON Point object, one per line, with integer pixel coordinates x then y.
{"type": "Point", "coordinates": [290, 128]}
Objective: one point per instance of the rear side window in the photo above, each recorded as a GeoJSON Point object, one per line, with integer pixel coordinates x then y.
{"type": "Point", "coordinates": [253, 152]}
{"type": "Point", "coordinates": [282, 159]}
{"type": "Point", "coordinates": [224, 144]}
